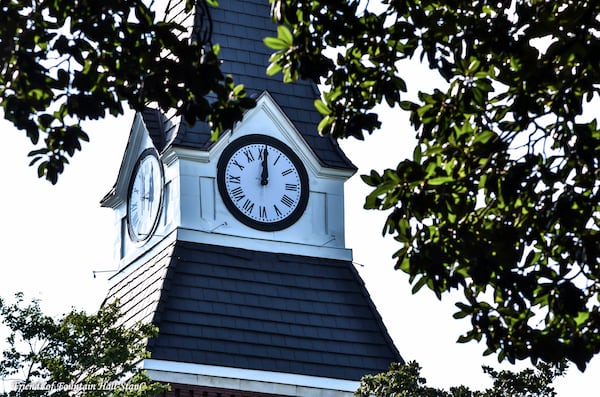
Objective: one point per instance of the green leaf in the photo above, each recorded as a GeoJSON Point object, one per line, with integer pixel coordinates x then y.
{"type": "Point", "coordinates": [322, 107]}
{"type": "Point", "coordinates": [419, 284]}
{"type": "Point", "coordinates": [460, 314]}
{"type": "Point", "coordinates": [484, 137]}
{"type": "Point", "coordinates": [273, 68]}
{"type": "Point", "coordinates": [473, 66]}
{"type": "Point", "coordinates": [285, 35]}
{"type": "Point", "coordinates": [417, 154]}
{"type": "Point", "coordinates": [276, 43]}
{"type": "Point", "coordinates": [440, 180]}
{"type": "Point", "coordinates": [324, 124]}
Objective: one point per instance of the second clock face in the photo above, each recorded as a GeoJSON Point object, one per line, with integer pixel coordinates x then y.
{"type": "Point", "coordinates": [145, 196]}
{"type": "Point", "coordinates": [262, 182]}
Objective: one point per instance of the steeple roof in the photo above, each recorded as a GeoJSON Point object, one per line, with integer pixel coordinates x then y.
{"type": "Point", "coordinates": [255, 310]}
{"type": "Point", "coordinates": [231, 307]}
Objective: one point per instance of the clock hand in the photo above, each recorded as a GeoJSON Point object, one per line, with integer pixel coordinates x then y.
{"type": "Point", "coordinates": [145, 196]}
{"type": "Point", "coordinates": [151, 193]}
{"type": "Point", "coordinates": [264, 176]}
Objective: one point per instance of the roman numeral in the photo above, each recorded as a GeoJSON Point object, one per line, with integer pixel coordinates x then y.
{"type": "Point", "coordinates": [238, 193]}
{"type": "Point", "coordinates": [248, 206]}
{"type": "Point", "coordinates": [287, 201]}
{"type": "Point", "coordinates": [287, 172]}
{"type": "Point", "coordinates": [277, 210]}
{"type": "Point", "coordinates": [293, 187]}
{"type": "Point", "coordinates": [249, 155]}
{"type": "Point", "coordinates": [277, 159]}
{"type": "Point", "coordinates": [261, 151]}
{"type": "Point", "coordinates": [262, 211]}
{"type": "Point", "coordinates": [233, 179]}
{"type": "Point", "coordinates": [241, 167]}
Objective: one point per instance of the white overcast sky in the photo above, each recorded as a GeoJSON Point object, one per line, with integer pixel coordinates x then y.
{"type": "Point", "coordinates": [54, 237]}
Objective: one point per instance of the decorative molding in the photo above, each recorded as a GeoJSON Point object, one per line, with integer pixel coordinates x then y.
{"type": "Point", "coordinates": [286, 128]}
{"type": "Point", "coordinates": [215, 237]}
{"type": "Point", "coordinates": [248, 380]}
{"type": "Point", "coordinates": [269, 107]}
{"type": "Point", "coordinates": [135, 145]}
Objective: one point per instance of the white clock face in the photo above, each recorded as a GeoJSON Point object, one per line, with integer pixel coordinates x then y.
{"type": "Point", "coordinates": [262, 182]}
{"type": "Point", "coordinates": [145, 196]}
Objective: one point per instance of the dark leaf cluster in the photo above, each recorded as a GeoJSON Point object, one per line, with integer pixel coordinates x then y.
{"type": "Point", "coordinates": [404, 380]}
{"type": "Point", "coordinates": [66, 61]}
{"type": "Point", "coordinates": [501, 199]}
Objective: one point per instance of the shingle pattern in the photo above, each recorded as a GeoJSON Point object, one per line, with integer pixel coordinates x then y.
{"type": "Point", "coordinates": [264, 311]}
{"type": "Point", "coordinates": [140, 291]}
{"type": "Point", "coordinates": [239, 27]}
{"type": "Point", "coordinates": [159, 128]}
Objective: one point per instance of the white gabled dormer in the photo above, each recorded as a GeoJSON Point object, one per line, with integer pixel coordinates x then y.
{"type": "Point", "coordinates": [193, 209]}
{"type": "Point", "coordinates": [204, 217]}
{"type": "Point", "coordinates": [127, 248]}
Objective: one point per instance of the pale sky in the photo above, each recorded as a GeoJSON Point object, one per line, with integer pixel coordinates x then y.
{"type": "Point", "coordinates": [56, 236]}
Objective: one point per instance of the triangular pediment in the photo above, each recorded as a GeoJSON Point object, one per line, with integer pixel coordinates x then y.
{"type": "Point", "coordinates": [268, 118]}
{"type": "Point", "coordinates": [139, 139]}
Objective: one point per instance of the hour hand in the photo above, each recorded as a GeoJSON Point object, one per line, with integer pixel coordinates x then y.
{"type": "Point", "coordinates": [264, 176]}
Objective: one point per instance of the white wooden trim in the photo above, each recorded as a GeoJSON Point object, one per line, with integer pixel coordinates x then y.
{"type": "Point", "coordinates": [214, 237]}
{"type": "Point", "coordinates": [248, 380]}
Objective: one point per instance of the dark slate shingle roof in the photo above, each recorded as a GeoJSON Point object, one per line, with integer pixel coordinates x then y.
{"type": "Point", "coordinates": [256, 310]}
{"type": "Point", "coordinates": [239, 27]}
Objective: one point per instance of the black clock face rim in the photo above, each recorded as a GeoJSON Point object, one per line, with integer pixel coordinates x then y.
{"type": "Point", "coordinates": [257, 139]}
{"type": "Point", "coordinates": [133, 235]}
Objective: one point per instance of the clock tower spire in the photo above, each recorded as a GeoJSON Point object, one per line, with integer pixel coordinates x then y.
{"type": "Point", "coordinates": [235, 249]}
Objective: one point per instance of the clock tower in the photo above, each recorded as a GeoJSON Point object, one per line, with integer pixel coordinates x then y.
{"type": "Point", "coordinates": [235, 249]}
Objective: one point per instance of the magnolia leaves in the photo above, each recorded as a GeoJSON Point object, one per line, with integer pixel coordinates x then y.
{"type": "Point", "coordinates": [65, 62]}
{"type": "Point", "coordinates": [501, 198]}
{"type": "Point", "coordinates": [406, 380]}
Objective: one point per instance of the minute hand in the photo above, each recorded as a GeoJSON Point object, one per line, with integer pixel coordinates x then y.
{"type": "Point", "coordinates": [264, 176]}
